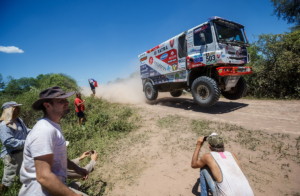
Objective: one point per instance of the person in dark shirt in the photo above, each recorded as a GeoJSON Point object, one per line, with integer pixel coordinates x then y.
{"type": "Point", "coordinates": [92, 85]}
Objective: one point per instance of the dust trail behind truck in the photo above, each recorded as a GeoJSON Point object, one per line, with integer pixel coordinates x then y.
{"type": "Point", "coordinates": [208, 60]}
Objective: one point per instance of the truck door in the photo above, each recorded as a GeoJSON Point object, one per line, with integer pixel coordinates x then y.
{"type": "Point", "coordinates": [202, 47]}
{"type": "Point", "coordinates": [182, 51]}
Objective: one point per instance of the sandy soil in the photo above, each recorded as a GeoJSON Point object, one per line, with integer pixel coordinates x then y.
{"type": "Point", "coordinates": [272, 116]}
{"type": "Point", "coordinates": [155, 160]}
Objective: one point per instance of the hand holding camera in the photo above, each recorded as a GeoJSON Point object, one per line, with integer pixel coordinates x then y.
{"type": "Point", "coordinates": [204, 138]}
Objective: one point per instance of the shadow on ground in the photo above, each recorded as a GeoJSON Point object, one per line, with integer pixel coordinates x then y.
{"type": "Point", "coordinates": [188, 104]}
{"type": "Point", "coordinates": [195, 188]}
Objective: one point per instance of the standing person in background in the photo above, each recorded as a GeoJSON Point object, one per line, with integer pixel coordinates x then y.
{"type": "Point", "coordinates": [45, 164]}
{"type": "Point", "coordinates": [92, 85]}
{"type": "Point", "coordinates": [79, 108]}
{"type": "Point", "coordinates": [220, 172]}
{"type": "Point", "coordinates": [13, 133]}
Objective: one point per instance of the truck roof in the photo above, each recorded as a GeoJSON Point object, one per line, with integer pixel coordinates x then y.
{"type": "Point", "coordinates": [214, 18]}
{"type": "Point", "coordinates": [217, 18]}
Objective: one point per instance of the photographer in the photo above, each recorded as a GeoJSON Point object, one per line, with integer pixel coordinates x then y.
{"type": "Point", "coordinates": [72, 174]}
{"type": "Point", "coordinates": [219, 170]}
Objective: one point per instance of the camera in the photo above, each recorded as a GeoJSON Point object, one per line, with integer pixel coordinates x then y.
{"type": "Point", "coordinates": [92, 152]}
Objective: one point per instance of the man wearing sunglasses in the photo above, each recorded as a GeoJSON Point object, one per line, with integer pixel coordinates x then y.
{"type": "Point", "coordinates": [45, 164]}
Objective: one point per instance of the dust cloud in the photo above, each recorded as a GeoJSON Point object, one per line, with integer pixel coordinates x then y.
{"type": "Point", "coordinates": [128, 90]}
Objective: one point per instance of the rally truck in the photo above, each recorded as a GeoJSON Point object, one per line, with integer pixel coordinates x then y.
{"type": "Point", "coordinates": [207, 60]}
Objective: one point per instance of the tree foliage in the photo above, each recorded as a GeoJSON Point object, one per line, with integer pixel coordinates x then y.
{"type": "Point", "coordinates": [2, 84]}
{"type": "Point", "coordinates": [62, 80]}
{"type": "Point", "coordinates": [18, 86]}
{"type": "Point", "coordinates": [288, 10]}
{"type": "Point", "coordinates": [276, 63]}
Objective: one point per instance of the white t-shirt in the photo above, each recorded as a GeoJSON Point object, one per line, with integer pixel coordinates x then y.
{"type": "Point", "coordinates": [45, 138]}
{"type": "Point", "coordinates": [234, 181]}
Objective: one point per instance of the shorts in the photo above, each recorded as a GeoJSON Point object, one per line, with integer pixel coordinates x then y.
{"type": "Point", "coordinates": [80, 114]}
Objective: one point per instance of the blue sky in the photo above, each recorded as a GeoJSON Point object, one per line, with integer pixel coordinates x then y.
{"type": "Point", "coordinates": [102, 38]}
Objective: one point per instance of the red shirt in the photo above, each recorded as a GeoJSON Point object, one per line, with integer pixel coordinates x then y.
{"type": "Point", "coordinates": [79, 108]}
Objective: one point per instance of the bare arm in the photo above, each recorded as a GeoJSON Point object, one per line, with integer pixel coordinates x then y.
{"type": "Point", "coordinates": [78, 104]}
{"type": "Point", "coordinates": [196, 162]}
{"type": "Point", "coordinates": [81, 171]}
{"type": "Point", "coordinates": [48, 179]}
{"type": "Point", "coordinates": [85, 154]}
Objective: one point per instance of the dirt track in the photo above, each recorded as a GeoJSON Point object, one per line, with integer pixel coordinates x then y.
{"type": "Point", "coordinates": [268, 115]}
{"type": "Point", "coordinates": [155, 161]}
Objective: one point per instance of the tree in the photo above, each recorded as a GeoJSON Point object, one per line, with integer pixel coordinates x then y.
{"type": "Point", "coordinates": [288, 10]}
{"type": "Point", "coordinates": [22, 85]}
{"type": "Point", "coordinates": [62, 80]}
{"type": "Point", "coordinates": [2, 84]}
{"type": "Point", "coordinates": [276, 65]}
{"type": "Point", "coordinates": [19, 86]}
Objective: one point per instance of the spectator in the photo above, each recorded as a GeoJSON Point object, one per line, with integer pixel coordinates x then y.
{"type": "Point", "coordinates": [220, 172]}
{"type": "Point", "coordinates": [89, 167]}
{"type": "Point", "coordinates": [93, 85]}
{"type": "Point", "coordinates": [13, 133]}
{"type": "Point", "coordinates": [44, 168]}
{"type": "Point", "coordinates": [79, 108]}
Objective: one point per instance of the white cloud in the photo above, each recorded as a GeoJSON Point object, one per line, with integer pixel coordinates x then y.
{"type": "Point", "coordinates": [10, 49]}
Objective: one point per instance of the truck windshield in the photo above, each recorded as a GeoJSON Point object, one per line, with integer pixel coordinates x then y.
{"type": "Point", "coordinates": [229, 33]}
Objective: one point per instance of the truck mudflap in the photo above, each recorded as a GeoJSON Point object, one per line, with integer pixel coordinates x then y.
{"type": "Point", "coordinates": [234, 71]}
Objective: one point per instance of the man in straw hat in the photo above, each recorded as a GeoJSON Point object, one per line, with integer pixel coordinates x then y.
{"type": "Point", "coordinates": [44, 169]}
{"type": "Point", "coordinates": [220, 172]}
{"type": "Point", "coordinates": [13, 133]}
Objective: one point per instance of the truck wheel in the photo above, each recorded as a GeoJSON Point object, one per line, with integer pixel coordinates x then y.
{"type": "Point", "coordinates": [150, 91]}
{"type": "Point", "coordinates": [205, 91]}
{"type": "Point", "coordinates": [176, 93]}
{"type": "Point", "coordinates": [236, 92]}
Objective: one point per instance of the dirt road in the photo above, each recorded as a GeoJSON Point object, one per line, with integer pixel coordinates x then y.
{"type": "Point", "coordinates": [155, 159]}
{"type": "Point", "coordinates": [268, 115]}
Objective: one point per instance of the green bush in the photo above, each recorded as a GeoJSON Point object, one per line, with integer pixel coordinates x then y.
{"type": "Point", "coordinates": [276, 64]}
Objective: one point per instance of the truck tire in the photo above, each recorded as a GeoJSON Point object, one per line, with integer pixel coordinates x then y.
{"type": "Point", "coordinates": [205, 91]}
{"type": "Point", "coordinates": [176, 93]}
{"type": "Point", "coordinates": [150, 91]}
{"type": "Point", "coordinates": [236, 92]}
